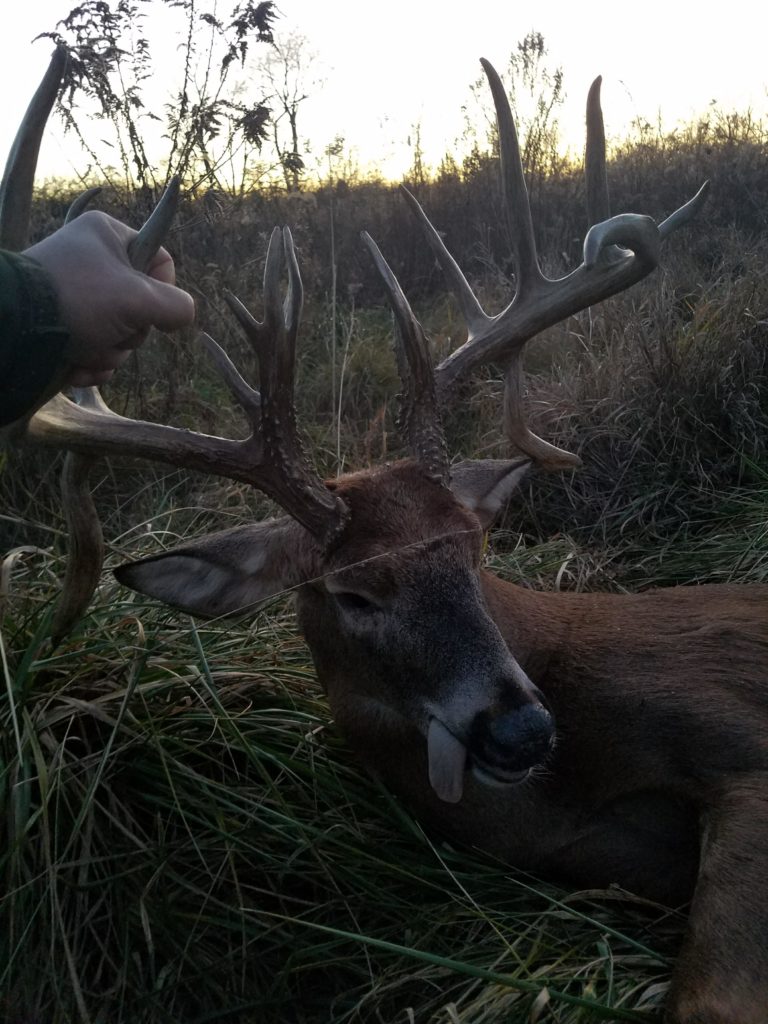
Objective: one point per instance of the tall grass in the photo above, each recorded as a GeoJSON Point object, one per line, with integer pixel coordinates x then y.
{"type": "Point", "coordinates": [187, 839]}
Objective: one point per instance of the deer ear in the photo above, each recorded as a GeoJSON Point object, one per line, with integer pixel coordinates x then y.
{"type": "Point", "coordinates": [226, 573]}
{"type": "Point", "coordinates": [486, 485]}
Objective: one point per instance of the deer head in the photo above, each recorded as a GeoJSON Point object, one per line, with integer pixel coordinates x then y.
{"type": "Point", "coordinates": [386, 562]}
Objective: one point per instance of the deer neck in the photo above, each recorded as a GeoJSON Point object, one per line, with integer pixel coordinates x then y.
{"type": "Point", "coordinates": [535, 626]}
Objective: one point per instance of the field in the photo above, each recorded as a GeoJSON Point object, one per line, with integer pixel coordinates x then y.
{"type": "Point", "coordinates": [185, 837]}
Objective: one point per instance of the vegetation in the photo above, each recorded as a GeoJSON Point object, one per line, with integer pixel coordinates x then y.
{"type": "Point", "coordinates": [183, 835]}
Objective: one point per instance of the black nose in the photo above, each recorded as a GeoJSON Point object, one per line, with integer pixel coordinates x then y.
{"type": "Point", "coordinates": [513, 740]}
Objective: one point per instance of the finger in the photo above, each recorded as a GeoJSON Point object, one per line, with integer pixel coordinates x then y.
{"type": "Point", "coordinates": [133, 341]}
{"type": "Point", "coordinates": [79, 378]}
{"type": "Point", "coordinates": [167, 307]}
{"type": "Point", "coordinates": [97, 372]}
{"type": "Point", "coordinates": [161, 267]}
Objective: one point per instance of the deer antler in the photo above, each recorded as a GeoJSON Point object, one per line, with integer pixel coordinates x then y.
{"type": "Point", "coordinates": [540, 302]}
{"type": "Point", "coordinates": [270, 459]}
{"type": "Point", "coordinates": [16, 186]}
{"type": "Point", "coordinates": [419, 413]}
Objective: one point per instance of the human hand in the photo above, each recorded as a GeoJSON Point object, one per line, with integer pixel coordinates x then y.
{"type": "Point", "coordinates": [106, 305]}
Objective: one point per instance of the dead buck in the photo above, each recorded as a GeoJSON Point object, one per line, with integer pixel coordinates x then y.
{"type": "Point", "coordinates": [597, 738]}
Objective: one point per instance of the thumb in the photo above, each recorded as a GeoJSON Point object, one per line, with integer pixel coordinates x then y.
{"type": "Point", "coordinates": [165, 306]}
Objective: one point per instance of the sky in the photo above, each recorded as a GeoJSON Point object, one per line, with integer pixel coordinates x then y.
{"type": "Point", "coordinates": [384, 67]}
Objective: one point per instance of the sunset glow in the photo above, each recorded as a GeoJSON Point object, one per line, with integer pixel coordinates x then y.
{"type": "Point", "coordinates": [382, 69]}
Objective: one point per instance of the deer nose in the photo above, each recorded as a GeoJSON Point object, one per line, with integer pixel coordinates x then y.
{"type": "Point", "coordinates": [514, 740]}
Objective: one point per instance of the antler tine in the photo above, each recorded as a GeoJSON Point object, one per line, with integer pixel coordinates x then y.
{"type": "Point", "coordinates": [294, 298]}
{"type": "Point", "coordinates": [85, 544]}
{"type": "Point", "coordinates": [419, 414]}
{"type": "Point", "coordinates": [596, 176]}
{"type": "Point", "coordinates": [518, 210]}
{"type": "Point", "coordinates": [16, 187]}
{"type": "Point", "coordinates": [153, 233]}
{"type": "Point", "coordinates": [595, 173]}
{"type": "Point", "coordinates": [514, 189]}
{"type": "Point", "coordinates": [81, 203]}
{"type": "Point", "coordinates": [685, 213]}
{"type": "Point", "coordinates": [281, 469]}
{"type": "Point", "coordinates": [276, 347]}
{"type": "Point", "coordinates": [474, 315]}
{"type": "Point", "coordinates": [246, 397]}
{"type": "Point", "coordinates": [547, 455]}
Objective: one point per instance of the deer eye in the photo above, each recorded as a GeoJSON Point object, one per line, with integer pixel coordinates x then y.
{"type": "Point", "coordinates": [354, 602]}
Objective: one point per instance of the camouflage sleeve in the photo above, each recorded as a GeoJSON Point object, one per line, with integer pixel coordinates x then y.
{"type": "Point", "coordinates": [32, 340]}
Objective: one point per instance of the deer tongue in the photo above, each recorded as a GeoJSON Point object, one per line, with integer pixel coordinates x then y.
{"type": "Point", "coordinates": [447, 760]}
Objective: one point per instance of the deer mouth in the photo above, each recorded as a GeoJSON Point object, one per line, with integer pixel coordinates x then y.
{"type": "Point", "coordinates": [449, 760]}
{"type": "Point", "coordinates": [496, 777]}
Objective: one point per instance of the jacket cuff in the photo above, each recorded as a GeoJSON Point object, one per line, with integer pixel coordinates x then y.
{"type": "Point", "coordinates": [32, 338]}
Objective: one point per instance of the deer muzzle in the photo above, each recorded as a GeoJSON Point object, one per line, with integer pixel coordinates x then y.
{"type": "Point", "coordinates": [500, 747]}
{"type": "Point", "coordinates": [504, 746]}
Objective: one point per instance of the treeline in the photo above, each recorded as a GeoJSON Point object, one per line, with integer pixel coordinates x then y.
{"type": "Point", "coordinates": [219, 234]}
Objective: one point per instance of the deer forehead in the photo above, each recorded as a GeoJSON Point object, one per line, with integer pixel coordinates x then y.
{"type": "Point", "coordinates": [400, 503]}
{"type": "Point", "coordinates": [400, 523]}
{"type": "Point", "coordinates": [439, 565]}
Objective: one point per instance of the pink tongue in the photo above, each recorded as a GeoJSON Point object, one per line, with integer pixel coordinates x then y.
{"type": "Point", "coordinates": [447, 759]}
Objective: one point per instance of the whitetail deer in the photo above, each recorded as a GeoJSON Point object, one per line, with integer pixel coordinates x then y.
{"type": "Point", "coordinates": [598, 738]}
